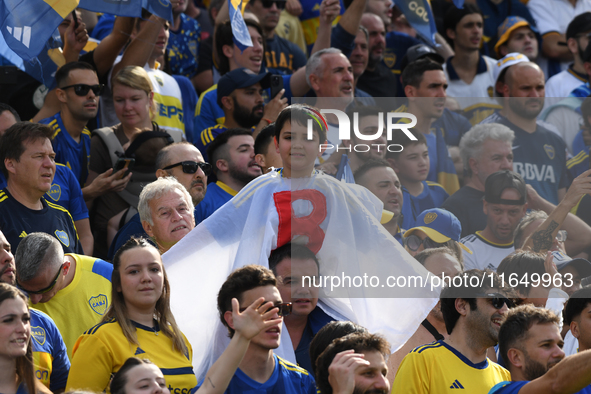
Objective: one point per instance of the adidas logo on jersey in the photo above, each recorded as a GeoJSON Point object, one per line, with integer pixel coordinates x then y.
{"type": "Point", "coordinates": [139, 351]}
{"type": "Point", "coordinates": [456, 385]}
{"type": "Point", "coordinates": [22, 34]}
{"type": "Point", "coordinates": [22, 235]}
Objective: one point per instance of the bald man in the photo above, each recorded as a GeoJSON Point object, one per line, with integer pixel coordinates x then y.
{"type": "Point", "coordinates": [539, 153]}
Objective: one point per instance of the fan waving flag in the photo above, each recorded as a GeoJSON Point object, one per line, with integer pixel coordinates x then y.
{"type": "Point", "coordinates": [341, 223]}
{"type": "Point", "coordinates": [241, 35]}
{"type": "Point", "coordinates": [161, 8]}
{"type": "Point", "coordinates": [420, 17]}
{"type": "Point", "coordinates": [131, 8]}
{"type": "Point", "coordinates": [28, 24]}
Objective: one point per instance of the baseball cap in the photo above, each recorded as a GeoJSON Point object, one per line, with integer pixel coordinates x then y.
{"type": "Point", "coordinates": [499, 181]}
{"type": "Point", "coordinates": [439, 225]}
{"type": "Point", "coordinates": [239, 79]}
{"type": "Point", "coordinates": [509, 25]}
{"type": "Point", "coordinates": [580, 24]}
{"type": "Point", "coordinates": [581, 265]}
{"type": "Point", "coordinates": [420, 51]}
{"type": "Point", "coordinates": [508, 61]}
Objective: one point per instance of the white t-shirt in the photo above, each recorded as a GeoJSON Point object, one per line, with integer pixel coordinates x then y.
{"type": "Point", "coordinates": [561, 84]}
{"type": "Point", "coordinates": [482, 85]}
{"type": "Point", "coordinates": [485, 254]}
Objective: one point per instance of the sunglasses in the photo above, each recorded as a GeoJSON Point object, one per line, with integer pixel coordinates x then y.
{"type": "Point", "coordinates": [269, 3]}
{"type": "Point", "coordinates": [497, 300]}
{"type": "Point", "coordinates": [284, 309]}
{"type": "Point", "coordinates": [82, 89]}
{"type": "Point", "coordinates": [42, 291]}
{"type": "Point", "coordinates": [414, 243]}
{"type": "Point", "coordinates": [191, 167]}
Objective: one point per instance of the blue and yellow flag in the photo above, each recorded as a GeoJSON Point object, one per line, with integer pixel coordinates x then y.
{"type": "Point", "coordinates": [131, 8]}
{"type": "Point", "coordinates": [240, 33]}
{"type": "Point", "coordinates": [162, 8]}
{"type": "Point", "coordinates": [420, 17]}
{"type": "Point", "coordinates": [28, 24]}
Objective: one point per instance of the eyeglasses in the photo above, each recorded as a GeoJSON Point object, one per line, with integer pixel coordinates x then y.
{"type": "Point", "coordinates": [497, 300]}
{"type": "Point", "coordinates": [414, 243]}
{"type": "Point", "coordinates": [269, 3]}
{"type": "Point", "coordinates": [190, 167]}
{"type": "Point", "coordinates": [82, 89]}
{"type": "Point", "coordinates": [561, 236]}
{"type": "Point", "coordinates": [284, 309]}
{"type": "Point", "coordinates": [42, 291]}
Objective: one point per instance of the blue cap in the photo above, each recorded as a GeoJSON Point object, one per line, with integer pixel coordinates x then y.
{"type": "Point", "coordinates": [239, 79]}
{"type": "Point", "coordinates": [439, 225]}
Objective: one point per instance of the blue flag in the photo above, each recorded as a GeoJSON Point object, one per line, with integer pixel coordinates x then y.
{"type": "Point", "coordinates": [420, 17]}
{"type": "Point", "coordinates": [28, 24]}
{"type": "Point", "coordinates": [459, 3]}
{"type": "Point", "coordinates": [162, 8]}
{"type": "Point", "coordinates": [344, 172]}
{"type": "Point", "coordinates": [241, 35]}
{"type": "Point", "coordinates": [131, 8]}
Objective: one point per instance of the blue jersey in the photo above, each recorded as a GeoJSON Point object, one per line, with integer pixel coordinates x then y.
{"type": "Point", "coordinates": [207, 136]}
{"type": "Point", "coordinates": [539, 157]}
{"type": "Point", "coordinates": [217, 194]}
{"type": "Point", "coordinates": [514, 387]}
{"type": "Point", "coordinates": [75, 155]}
{"type": "Point", "coordinates": [287, 378]}
{"type": "Point", "coordinates": [50, 355]}
{"type": "Point", "coordinates": [396, 46]}
{"type": "Point", "coordinates": [453, 126]}
{"type": "Point", "coordinates": [579, 163]}
{"type": "Point", "coordinates": [65, 191]}
{"type": "Point", "coordinates": [209, 113]}
{"type": "Point", "coordinates": [17, 221]}
{"type": "Point", "coordinates": [433, 196]}
{"type": "Point", "coordinates": [183, 47]}
{"type": "Point", "coordinates": [283, 56]}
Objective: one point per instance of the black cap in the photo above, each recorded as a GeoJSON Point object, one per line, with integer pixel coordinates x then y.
{"type": "Point", "coordinates": [239, 79]}
{"type": "Point", "coordinates": [580, 24]}
{"type": "Point", "coordinates": [419, 51]}
{"type": "Point", "coordinates": [499, 181]}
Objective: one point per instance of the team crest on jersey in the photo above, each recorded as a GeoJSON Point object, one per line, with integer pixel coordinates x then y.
{"type": "Point", "coordinates": [193, 47]}
{"type": "Point", "coordinates": [99, 304]}
{"type": "Point", "coordinates": [316, 7]}
{"type": "Point", "coordinates": [490, 91]}
{"type": "Point", "coordinates": [159, 80]}
{"type": "Point", "coordinates": [38, 334]}
{"type": "Point", "coordinates": [389, 58]}
{"type": "Point", "coordinates": [550, 151]}
{"type": "Point", "coordinates": [55, 192]}
{"type": "Point", "coordinates": [63, 237]}
{"type": "Point", "coordinates": [430, 217]}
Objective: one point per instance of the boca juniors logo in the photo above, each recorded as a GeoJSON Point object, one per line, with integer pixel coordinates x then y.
{"type": "Point", "coordinates": [430, 217]}
{"type": "Point", "coordinates": [55, 192]}
{"type": "Point", "coordinates": [389, 58]}
{"type": "Point", "coordinates": [550, 151]}
{"type": "Point", "coordinates": [99, 304]}
{"type": "Point", "coordinates": [38, 334]}
{"type": "Point", "coordinates": [63, 237]}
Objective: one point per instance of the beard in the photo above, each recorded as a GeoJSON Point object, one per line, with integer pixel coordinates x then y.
{"type": "Point", "coordinates": [519, 106]}
{"type": "Point", "coordinates": [244, 117]}
{"type": "Point", "coordinates": [240, 174]}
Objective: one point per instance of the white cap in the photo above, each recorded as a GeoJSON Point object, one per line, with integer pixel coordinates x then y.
{"type": "Point", "coordinates": [508, 61]}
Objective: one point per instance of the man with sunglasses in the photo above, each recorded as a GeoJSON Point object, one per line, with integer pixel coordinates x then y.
{"type": "Point", "coordinates": [505, 204]}
{"type": "Point", "coordinates": [74, 290]}
{"type": "Point", "coordinates": [472, 311]}
{"type": "Point", "coordinates": [182, 161]}
{"type": "Point", "coordinates": [261, 370]}
{"type": "Point", "coordinates": [531, 344]}
{"type": "Point", "coordinates": [281, 56]}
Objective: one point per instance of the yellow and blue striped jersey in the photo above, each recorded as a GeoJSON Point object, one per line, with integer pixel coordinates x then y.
{"type": "Point", "coordinates": [82, 303]}
{"type": "Point", "coordinates": [101, 351]}
{"type": "Point", "coordinates": [438, 368]}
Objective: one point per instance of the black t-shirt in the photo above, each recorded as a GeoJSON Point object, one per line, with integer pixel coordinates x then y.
{"type": "Point", "coordinates": [466, 204]}
{"type": "Point", "coordinates": [380, 83]}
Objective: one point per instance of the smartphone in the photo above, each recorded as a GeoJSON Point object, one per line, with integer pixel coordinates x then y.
{"type": "Point", "coordinates": [124, 162]}
{"type": "Point", "coordinates": [276, 85]}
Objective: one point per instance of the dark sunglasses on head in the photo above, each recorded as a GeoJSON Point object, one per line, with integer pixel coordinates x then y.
{"type": "Point", "coordinates": [269, 3]}
{"type": "Point", "coordinates": [82, 89]}
{"type": "Point", "coordinates": [47, 289]}
{"type": "Point", "coordinates": [284, 309]}
{"type": "Point", "coordinates": [497, 300]}
{"type": "Point", "coordinates": [190, 167]}
{"type": "Point", "coordinates": [414, 243]}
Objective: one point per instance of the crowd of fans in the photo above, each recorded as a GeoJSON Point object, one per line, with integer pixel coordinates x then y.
{"type": "Point", "coordinates": [153, 126]}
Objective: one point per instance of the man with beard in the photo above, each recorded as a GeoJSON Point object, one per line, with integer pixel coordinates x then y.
{"type": "Point", "coordinates": [232, 159]}
{"type": "Point", "coordinates": [377, 80]}
{"type": "Point", "coordinates": [240, 95]}
{"type": "Point", "coordinates": [505, 203]}
{"type": "Point", "coordinates": [531, 344]}
{"type": "Point", "coordinates": [472, 316]}
{"type": "Point", "coordinates": [440, 262]}
{"type": "Point", "coordinates": [539, 154]}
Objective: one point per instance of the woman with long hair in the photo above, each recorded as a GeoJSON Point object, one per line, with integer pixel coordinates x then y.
{"type": "Point", "coordinates": [17, 372]}
{"type": "Point", "coordinates": [139, 322]}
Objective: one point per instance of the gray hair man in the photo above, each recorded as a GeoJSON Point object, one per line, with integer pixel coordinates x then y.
{"type": "Point", "coordinates": [166, 211]}
{"type": "Point", "coordinates": [485, 149]}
